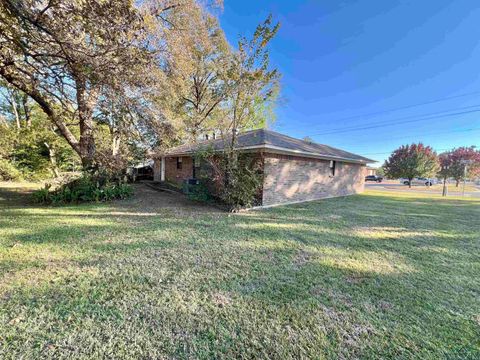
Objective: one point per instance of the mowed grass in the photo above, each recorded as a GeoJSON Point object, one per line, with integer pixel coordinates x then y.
{"type": "Point", "coordinates": [367, 276]}
{"type": "Point", "coordinates": [439, 187]}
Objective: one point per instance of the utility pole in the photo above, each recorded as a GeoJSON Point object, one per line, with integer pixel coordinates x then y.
{"type": "Point", "coordinates": [465, 168]}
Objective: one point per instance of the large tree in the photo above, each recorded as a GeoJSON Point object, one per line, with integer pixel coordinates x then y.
{"type": "Point", "coordinates": [196, 71]}
{"type": "Point", "coordinates": [411, 161]}
{"type": "Point", "coordinates": [455, 162]}
{"type": "Point", "coordinates": [88, 61]}
{"type": "Point", "coordinates": [247, 89]}
{"type": "Point", "coordinates": [65, 54]}
{"type": "Point", "coordinates": [214, 87]}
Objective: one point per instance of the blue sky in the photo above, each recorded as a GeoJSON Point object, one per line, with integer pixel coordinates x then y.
{"type": "Point", "coordinates": [346, 64]}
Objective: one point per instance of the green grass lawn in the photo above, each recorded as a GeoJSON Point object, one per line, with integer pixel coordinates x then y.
{"type": "Point", "coordinates": [439, 188]}
{"type": "Point", "coordinates": [366, 276]}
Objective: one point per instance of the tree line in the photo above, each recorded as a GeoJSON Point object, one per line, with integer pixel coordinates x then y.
{"type": "Point", "coordinates": [96, 85]}
{"type": "Point", "coordinates": [418, 160]}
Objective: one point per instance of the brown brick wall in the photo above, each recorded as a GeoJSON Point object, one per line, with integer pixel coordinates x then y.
{"type": "Point", "coordinates": [175, 175]}
{"type": "Point", "coordinates": [292, 178]}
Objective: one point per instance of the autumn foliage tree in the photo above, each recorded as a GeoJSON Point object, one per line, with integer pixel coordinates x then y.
{"type": "Point", "coordinates": [248, 96]}
{"type": "Point", "coordinates": [217, 88]}
{"type": "Point", "coordinates": [196, 69]}
{"type": "Point", "coordinates": [411, 161]}
{"type": "Point", "coordinates": [453, 163]}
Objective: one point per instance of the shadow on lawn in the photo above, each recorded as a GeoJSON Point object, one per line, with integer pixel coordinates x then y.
{"type": "Point", "coordinates": [13, 197]}
{"type": "Point", "coordinates": [342, 262]}
{"type": "Point", "coordinates": [409, 228]}
{"type": "Point", "coordinates": [273, 236]}
{"type": "Point", "coordinates": [331, 221]}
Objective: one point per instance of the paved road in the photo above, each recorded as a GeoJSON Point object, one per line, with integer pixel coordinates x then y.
{"type": "Point", "coordinates": [392, 187]}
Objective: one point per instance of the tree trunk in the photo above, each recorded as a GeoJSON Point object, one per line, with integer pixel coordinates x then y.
{"type": "Point", "coordinates": [444, 191]}
{"type": "Point", "coordinates": [115, 134]}
{"type": "Point", "coordinates": [46, 106]}
{"type": "Point", "coordinates": [115, 145]}
{"type": "Point", "coordinates": [86, 103]}
{"type": "Point", "coordinates": [26, 111]}
{"type": "Point", "coordinates": [457, 182]}
{"type": "Point", "coordinates": [53, 159]}
{"type": "Point", "coordinates": [13, 102]}
{"type": "Point", "coordinates": [410, 183]}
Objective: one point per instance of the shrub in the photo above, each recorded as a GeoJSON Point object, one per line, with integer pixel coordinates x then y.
{"type": "Point", "coordinates": [42, 196]}
{"type": "Point", "coordinates": [243, 187]}
{"type": "Point", "coordinates": [235, 179]}
{"type": "Point", "coordinates": [83, 189]}
{"type": "Point", "coordinates": [8, 172]}
{"type": "Point", "coordinates": [199, 192]}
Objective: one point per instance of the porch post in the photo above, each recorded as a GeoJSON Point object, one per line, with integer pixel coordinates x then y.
{"type": "Point", "coordinates": [162, 169]}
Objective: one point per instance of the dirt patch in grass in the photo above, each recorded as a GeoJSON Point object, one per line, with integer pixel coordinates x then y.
{"type": "Point", "coordinates": [155, 201]}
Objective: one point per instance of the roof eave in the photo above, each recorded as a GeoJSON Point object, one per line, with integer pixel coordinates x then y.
{"type": "Point", "coordinates": [285, 151]}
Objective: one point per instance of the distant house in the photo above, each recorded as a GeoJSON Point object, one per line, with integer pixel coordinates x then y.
{"type": "Point", "coordinates": [293, 170]}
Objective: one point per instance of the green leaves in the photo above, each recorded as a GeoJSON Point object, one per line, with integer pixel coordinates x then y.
{"type": "Point", "coordinates": [410, 161]}
{"type": "Point", "coordinates": [453, 162]}
{"type": "Point", "coordinates": [84, 189]}
{"type": "Point", "coordinates": [8, 172]}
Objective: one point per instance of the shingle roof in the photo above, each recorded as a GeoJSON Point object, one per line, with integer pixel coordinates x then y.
{"type": "Point", "coordinates": [273, 141]}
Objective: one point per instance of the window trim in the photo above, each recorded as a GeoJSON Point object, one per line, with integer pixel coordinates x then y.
{"type": "Point", "coordinates": [179, 162]}
{"type": "Point", "coordinates": [333, 165]}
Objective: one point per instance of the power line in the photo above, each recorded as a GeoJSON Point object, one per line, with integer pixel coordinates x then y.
{"type": "Point", "coordinates": [420, 117]}
{"type": "Point", "coordinates": [408, 106]}
{"type": "Point", "coordinates": [435, 133]}
{"type": "Point", "coordinates": [394, 122]}
{"type": "Point", "coordinates": [389, 152]}
{"type": "Point", "coordinates": [412, 106]}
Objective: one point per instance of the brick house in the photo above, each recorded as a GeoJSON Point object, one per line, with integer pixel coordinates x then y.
{"type": "Point", "coordinates": [293, 170]}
